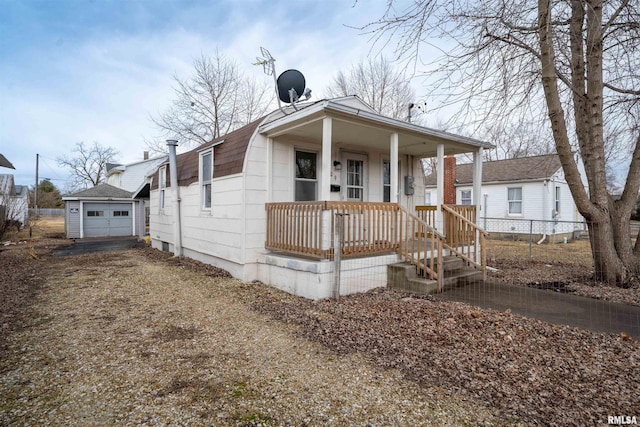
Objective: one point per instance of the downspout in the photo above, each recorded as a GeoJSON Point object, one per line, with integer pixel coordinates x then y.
{"type": "Point", "coordinates": [545, 190]}
{"type": "Point", "coordinates": [177, 226]}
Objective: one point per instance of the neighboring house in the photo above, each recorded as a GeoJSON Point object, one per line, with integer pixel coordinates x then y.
{"type": "Point", "coordinates": [136, 178]}
{"type": "Point", "coordinates": [520, 196]}
{"type": "Point", "coordinates": [14, 200]}
{"type": "Point", "coordinates": [263, 201]}
{"type": "Point", "coordinates": [118, 208]}
{"type": "Point", "coordinates": [133, 176]}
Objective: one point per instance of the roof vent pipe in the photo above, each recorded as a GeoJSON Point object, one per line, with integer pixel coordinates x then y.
{"type": "Point", "coordinates": [173, 172]}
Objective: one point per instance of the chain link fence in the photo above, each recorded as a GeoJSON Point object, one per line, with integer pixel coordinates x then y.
{"type": "Point", "coordinates": [530, 238]}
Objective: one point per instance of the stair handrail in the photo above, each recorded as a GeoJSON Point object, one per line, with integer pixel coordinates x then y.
{"type": "Point", "coordinates": [455, 249]}
{"type": "Point", "coordinates": [417, 256]}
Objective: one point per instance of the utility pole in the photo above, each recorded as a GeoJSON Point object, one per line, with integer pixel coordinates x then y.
{"type": "Point", "coordinates": [35, 190]}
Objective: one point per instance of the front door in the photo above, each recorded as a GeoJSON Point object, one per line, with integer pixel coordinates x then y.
{"type": "Point", "coordinates": [354, 177]}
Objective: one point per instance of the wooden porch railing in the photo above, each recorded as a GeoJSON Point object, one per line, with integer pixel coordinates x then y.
{"type": "Point", "coordinates": [306, 229]}
{"type": "Point", "coordinates": [421, 245]}
{"type": "Point", "coordinates": [296, 228]}
{"type": "Point", "coordinates": [463, 237]}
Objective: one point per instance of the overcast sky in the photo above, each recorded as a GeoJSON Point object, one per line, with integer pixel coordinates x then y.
{"type": "Point", "coordinates": [96, 70]}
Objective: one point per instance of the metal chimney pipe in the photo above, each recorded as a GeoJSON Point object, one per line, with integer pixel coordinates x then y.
{"type": "Point", "coordinates": [173, 172]}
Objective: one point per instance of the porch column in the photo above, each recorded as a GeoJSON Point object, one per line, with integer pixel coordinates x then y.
{"type": "Point", "coordinates": [269, 170]}
{"type": "Point", "coordinates": [477, 181]}
{"type": "Point", "coordinates": [393, 143]}
{"type": "Point", "coordinates": [477, 196]}
{"type": "Point", "coordinates": [325, 176]}
{"type": "Point", "coordinates": [439, 185]}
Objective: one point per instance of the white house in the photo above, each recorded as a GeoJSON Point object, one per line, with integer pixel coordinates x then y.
{"type": "Point", "coordinates": [519, 196]}
{"type": "Point", "coordinates": [14, 200]}
{"type": "Point", "coordinates": [263, 202]}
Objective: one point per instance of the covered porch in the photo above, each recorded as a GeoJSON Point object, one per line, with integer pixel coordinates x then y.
{"type": "Point", "coordinates": [358, 180]}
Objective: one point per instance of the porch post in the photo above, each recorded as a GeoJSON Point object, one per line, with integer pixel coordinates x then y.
{"type": "Point", "coordinates": [269, 169]}
{"type": "Point", "coordinates": [477, 198]}
{"type": "Point", "coordinates": [325, 176]}
{"type": "Point", "coordinates": [393, 142]}
{"type": "Point", "coordinates": [439, 186]}
{"type": "Point", "coordinates": [477, 181]}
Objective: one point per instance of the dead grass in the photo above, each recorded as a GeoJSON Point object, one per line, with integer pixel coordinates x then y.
{"type": "Point", "coordinates": [576, 252]}
{"type": "Point", "coordinates": [45, 227]}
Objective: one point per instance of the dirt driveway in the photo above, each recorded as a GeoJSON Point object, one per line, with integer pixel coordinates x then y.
{"type": "Point", "coordinates": [138, 338]}
{"type": "Point", "coordinates": [119, 338]}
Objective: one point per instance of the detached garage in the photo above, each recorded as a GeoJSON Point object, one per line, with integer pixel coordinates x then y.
{"type": "Point", "coordinates": [102, 211]}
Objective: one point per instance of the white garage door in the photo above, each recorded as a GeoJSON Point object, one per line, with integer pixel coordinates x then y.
{"type": "Point", "coordinates": [107, 219]}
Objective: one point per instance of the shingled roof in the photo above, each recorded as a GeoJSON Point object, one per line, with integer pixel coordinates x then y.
{"type": "Point", "coordinates": [101, 191]}
{"type": "Point", "coordinates": [5, 163]}
{"type": "Point", "coordinates": [509, 170]}
{"type": "Point", "coordinates": [228, 157]}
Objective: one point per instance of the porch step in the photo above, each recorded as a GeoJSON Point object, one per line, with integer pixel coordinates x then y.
{"type": "Point", "coordinates": [402, 276]}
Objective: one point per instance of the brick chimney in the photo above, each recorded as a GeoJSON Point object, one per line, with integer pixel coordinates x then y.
{"type": "Point", "coordinates": [145, 155]}
{"type": "Point", "coordinates": [450, 180]}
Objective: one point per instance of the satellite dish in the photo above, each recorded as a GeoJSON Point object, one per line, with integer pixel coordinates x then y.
{"type": "Point", "coordinates": [288, 81]}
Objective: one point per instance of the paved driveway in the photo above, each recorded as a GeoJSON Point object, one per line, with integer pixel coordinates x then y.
{"type": "Point", "coordinates": [85, 246]}
{"type": "Point", "coordinates": [552, 307]}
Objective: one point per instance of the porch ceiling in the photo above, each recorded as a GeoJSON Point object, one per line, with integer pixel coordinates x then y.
{"type": "Point", "coordinates": [370, 131]}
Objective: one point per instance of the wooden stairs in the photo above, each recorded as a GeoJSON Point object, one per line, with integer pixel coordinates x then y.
{"type": "Point", "coordinates": [403, 276]}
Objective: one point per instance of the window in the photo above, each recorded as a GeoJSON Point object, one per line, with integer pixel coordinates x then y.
{"type": "Point", "coordinates": [386, 181]}
{"type": "Point", "coordinates": [427, 198]}
{"type": "Point", "coordinates": [306, 181]}
{"type": "Point", "coordinates": [162, 184]}
{"type": "Point", "coordinates": [355, 180]}
{"type": "Point", "coordinates": [120, 213]}
{"type": "Point", "coordinates": [515, 200]}
{"type": "Point", "coordinates": [465, 197]}
{"type": "Point", "coordinates": [557, 202]}
{"type": "Point", "coordinates": [95, 213]}
{"type": "Point", "coordinates": [206, 175]}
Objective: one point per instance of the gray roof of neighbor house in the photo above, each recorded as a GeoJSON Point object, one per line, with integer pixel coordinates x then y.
{"type": "Point", "coordinates": [508, 170]}
{"type": "Point", "coordinates": [100, 191]}
{"type": "Point", "coordinates": [5, 163]}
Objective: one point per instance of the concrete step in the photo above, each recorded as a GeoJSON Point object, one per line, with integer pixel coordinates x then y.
{"type": "Point", "coordinates": [462, 277]}
{"type": "Point", "coordinates": [402, 276]}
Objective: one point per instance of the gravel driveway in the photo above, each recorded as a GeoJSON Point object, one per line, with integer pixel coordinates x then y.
{"type": "Point", "coordinates": [125, 338]}
{"type": "Point", "coordinates": [139, 338]}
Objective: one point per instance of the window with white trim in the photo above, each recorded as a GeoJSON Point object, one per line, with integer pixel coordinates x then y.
{"type": "Point", "coordinates": [427, 198]}
{"type": "Point", "coordinates": [206, 176]}
{"type": "Point", "coordinates": [557, 201]}
{"type": "Point", "coordinates": [514, 195]}
{"type": "Point", "coordinates": [465, 197]}
{"type": "Point", "coordinates": [306, 180]}
{"type": "Point", "coordinates": [162, 184]}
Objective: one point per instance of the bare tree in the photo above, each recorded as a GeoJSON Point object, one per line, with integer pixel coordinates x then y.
{"type": "Point", "coordinates": [574, 62]}
{"type": "Point", "coordinates": [88, 164]}
{"type": "Point", "coordinates": [377, 83]}
{"type": "Point", "coordinates": [215, 100]}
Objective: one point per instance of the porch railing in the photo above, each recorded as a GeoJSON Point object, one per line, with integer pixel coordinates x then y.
{"type": "Point", "coordinates": [463, 237]}
{"type": "Point", "coordinates": [421, 245]}
{"type": "Point", "coordinates": [306, 229]}
{"type": "Point", "coordinates": [296, 228]}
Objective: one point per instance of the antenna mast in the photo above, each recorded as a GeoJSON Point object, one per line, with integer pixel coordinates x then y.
{"type": "Point", "coordinates": [269, 68]}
